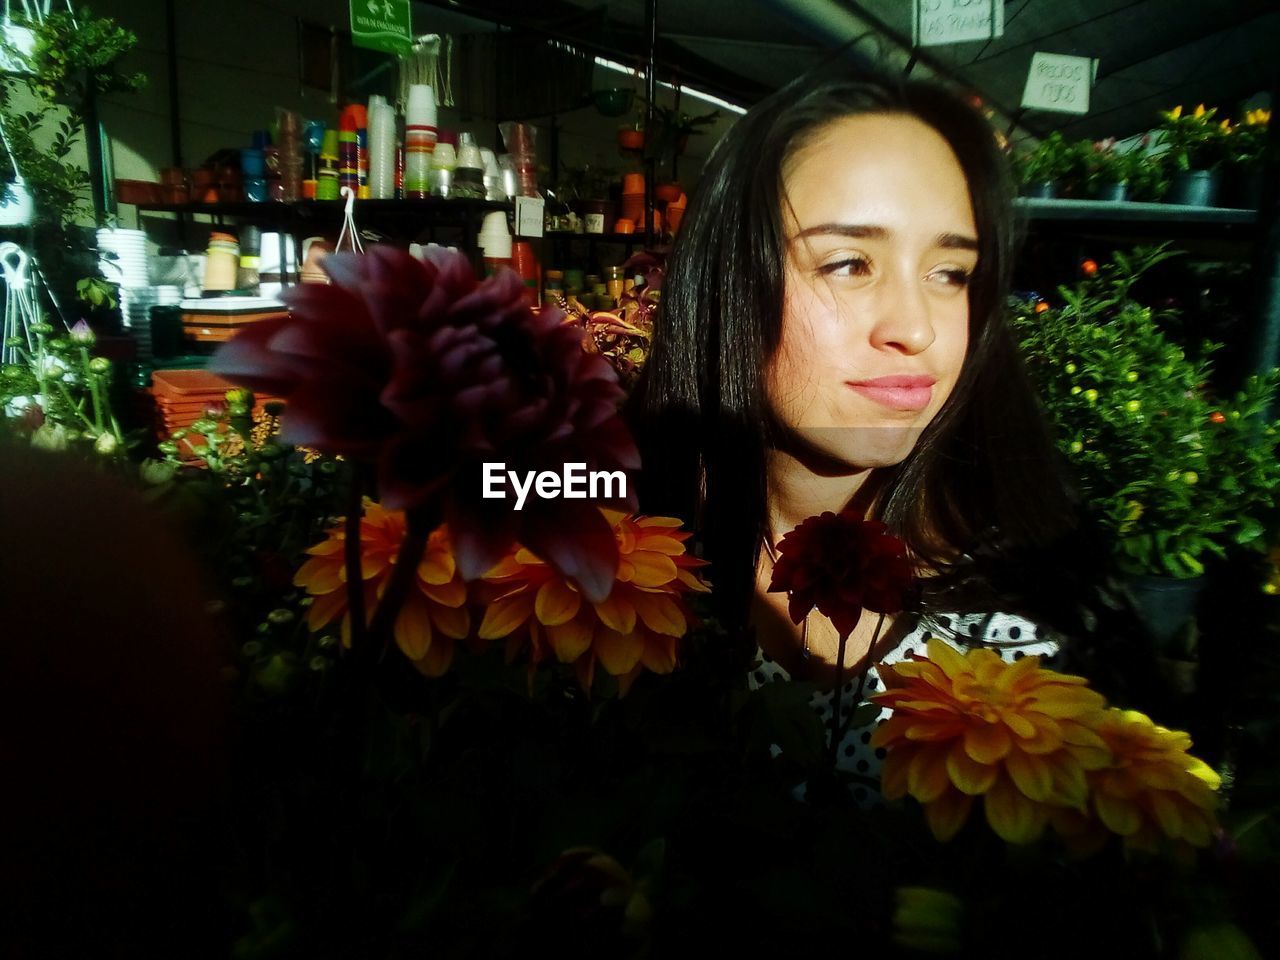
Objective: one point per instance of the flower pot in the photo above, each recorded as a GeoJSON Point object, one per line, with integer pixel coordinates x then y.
{"type": "Point", "coordinates": [1195, 188]}
{"type": "Point", "coordinates": [667, 192]}
{"type": "Point", "coordinates": [1164, 604]}
{"type": "Point", "coordinates": [594, 214]}
{"type": "Point", "coordinates": [613, 102]}
{"type": "Point", "coordinates": [631, 139]}
{"type": "Point", "coordinates": [1044, 190]}
{"type": "Point", "coordinates": [1112, 192]}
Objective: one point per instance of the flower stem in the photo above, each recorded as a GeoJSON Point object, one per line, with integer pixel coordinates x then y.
{"type": "Point", "coordinates": [862, 678]}
{"type": "Point", "coordinates": [834, 745]}
{"type": "Point", "coordinates": [351, 554]}
{"type": "Point", "coordinates": [406, 568]}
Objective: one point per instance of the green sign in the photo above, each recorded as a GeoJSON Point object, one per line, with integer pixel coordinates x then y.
{"type": "Point", "coordinates": [382, 25]}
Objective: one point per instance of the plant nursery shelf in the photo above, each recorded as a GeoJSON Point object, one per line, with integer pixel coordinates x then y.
{"type": "Point", "coordinates": [435, 209]}
{"type": "Point", "coordinates": [1096, 213]}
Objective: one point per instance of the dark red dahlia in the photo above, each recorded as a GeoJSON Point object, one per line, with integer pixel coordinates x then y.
{"type": "Point", "coordinates": [417, 368]}
{"type": "Point", "coordinates": [842, 565]}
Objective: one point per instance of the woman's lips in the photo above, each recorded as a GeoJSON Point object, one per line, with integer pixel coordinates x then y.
{"type": "Point", "coordinates": [897, 393]}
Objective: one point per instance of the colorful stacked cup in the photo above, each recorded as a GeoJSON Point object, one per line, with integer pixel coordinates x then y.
{"type": "Point", "coordinates": [419, 141]}
{"type": "Point", "coordinates": [327, 183]}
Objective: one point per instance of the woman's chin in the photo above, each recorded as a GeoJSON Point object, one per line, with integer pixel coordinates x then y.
{"type": "Point", "coordinates": [865, 447]}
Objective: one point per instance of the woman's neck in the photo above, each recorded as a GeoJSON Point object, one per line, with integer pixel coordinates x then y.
{"type": "Point", "coordinates": [796, 491]}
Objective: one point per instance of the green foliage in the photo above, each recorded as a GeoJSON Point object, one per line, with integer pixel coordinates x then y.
{"type": "Point", "coordinates": [1174, 475]}
{"type": "Point", "coordinates": [1053, 159]}
{"type": "Point", "coordinates": [1192, 140]}
{"type": "Point", "coordinates": [74, 50]}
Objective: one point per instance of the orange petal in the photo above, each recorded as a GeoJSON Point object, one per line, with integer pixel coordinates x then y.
{"type": "Point", "coordinates": [946, 657]}
{"type": "Point", "coordinates": [893, 775]}
{"type": "Point", "coordinates": [659, 544]}
{"type": "Point", "coordinates": [659, 653]}
{"type": "Point", "coordinates": [327, 548]}
{"type": "Point", "coordinates": [451, 594]}
{"type": "Point", "coordinates": [325, 608]}
{"type": "Point", "coordinates": [618, 652]}
{"type": "Point", "coordinates": [505, 615]}
{"type": "Point", "coordinates": [556, 603]}
{"type": "Point", "coordinates": [627, 679]}
{"type": "Point", "coordinates": [319, 575]}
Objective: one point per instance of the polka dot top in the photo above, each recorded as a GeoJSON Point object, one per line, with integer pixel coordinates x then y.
{"type": "Point", "coordinates": [1011, 636]}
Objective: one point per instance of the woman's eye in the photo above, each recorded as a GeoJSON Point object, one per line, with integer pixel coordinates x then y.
{"type": "Point", "coordinates": [953, 276]}
{"type": "Point", "coordinates": [846, 267]}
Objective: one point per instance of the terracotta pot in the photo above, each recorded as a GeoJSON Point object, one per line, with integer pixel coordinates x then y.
{"type": "Point", "coordinates": [674, 216]}
{"type": "Point", "coordinates": [631, 139]}
{"type": "Point", "coordinates": [667, 192]}
{"type": "Point", "coordinates": [633, 183]}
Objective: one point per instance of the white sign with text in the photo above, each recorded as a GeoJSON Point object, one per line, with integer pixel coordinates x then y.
{"type": "Point", "coordinates": [937, 22]}
{"type": "Point", "coordinates": [1059, 83]}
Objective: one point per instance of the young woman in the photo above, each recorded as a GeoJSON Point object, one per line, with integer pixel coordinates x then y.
{"type": "Point", "coordinates": [831, 335]}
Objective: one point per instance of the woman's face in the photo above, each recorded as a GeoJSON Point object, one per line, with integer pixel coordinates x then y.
{"type": "Point", "coordinates": [881, 243]}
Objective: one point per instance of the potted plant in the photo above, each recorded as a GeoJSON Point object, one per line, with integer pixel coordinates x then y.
{"type": "Point", "coordinates": [1195, 145]}
{"type": "Point", "coordinates": [1171, 473]}
{"type": "Point", "coordinates": [1108, 170]}
{"type": "Point", "coordinates": [585, 190]}
{"type": "Point", "coordinates": [1042, 171]}
{"type": "Point", "coordinates": [1246, 143]}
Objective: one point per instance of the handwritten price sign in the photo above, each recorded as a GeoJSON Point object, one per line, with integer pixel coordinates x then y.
{"type": "Point", "coordinates": [939, 22]}
{"type": "Point", "coordinates": [1059, 83]}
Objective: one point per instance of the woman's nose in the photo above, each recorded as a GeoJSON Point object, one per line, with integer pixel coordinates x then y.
{"type": "Point", "coordinates": [902, 321]}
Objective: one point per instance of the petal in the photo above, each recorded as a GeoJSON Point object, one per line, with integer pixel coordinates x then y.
{"type": "Point", "coordinates": [451, 594]}
{"type": "Point", "coordinates": [927, 775]}
{"type": "Point", "coordinates": [1014, 817]}
{"type": "Point", "coordinates": [436, 567]}
{"type": "Point", "coordinates": [319, 576]}
{"type": "Point", "coordinates": [893, 775]}
{"type": "Point", "coordinates": [1030, 774]}
{"type": "Point", "coordinates": [618, 652]}
{"type": "Point", "coordinates": [576, 540]}
{"type": "Point", "coordinates": [647, 569]}
{"type": "Point", "coordinates": [438, 658]}
{"type": "Point", "coordinates": [570, 640]}
{"type": "Point", "coordinates": [659, 653]}
{"type": "Point", "coordinates": [505, 615]}
{"type": "Point", "coordinates": [948, 814]}
{"type": "Point", "coordinates": [413, 628]}
{"type": "Point", "coordinates": [453, 622]}
{"type": "Point", "coordinates": [967, 774]}
{"type": "Point", "coordinates": [325, 608]}
{"type": "Point", "coordinates": [1118, 815]}
{"type": "Point", "coordinates": [660, 613]}
{"type": "Point", "coordinates": [987, 742]}
{"type": "Point", "coordinates": [617, 613]}
{"type": "Point", "coordinates": [556, 603]}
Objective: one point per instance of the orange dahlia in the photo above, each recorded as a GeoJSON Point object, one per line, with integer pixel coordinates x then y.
{"type": "Point", "coordinates": [1152, 789]}
{"type": "Point", "coordinates": [635, 627]}
{"type": "Point", "coordinates": [971, 725]}
{"type": "Point", "coordinates": [434, 614]}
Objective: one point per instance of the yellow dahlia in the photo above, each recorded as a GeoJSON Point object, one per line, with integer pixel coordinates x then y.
{"type": "Point", "coordinates": [971, 725]}
{"type": "Point", "coordinates": [635, 627]}
{"type": "Point", "coordinates": [1152, 788]}
{"type": "Point", "coordinates": [434, 614]}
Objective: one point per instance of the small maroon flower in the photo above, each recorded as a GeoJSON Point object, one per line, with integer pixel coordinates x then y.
{"type": "Point", "coordinates": [416, 368]}
{"type": "Point", "coordinates": [842, 565]}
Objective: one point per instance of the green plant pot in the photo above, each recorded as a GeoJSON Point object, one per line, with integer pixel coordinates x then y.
{"type": "Point", "coordinates": [1165, 605]}
{"type": "Point", "coordinates": [613, 102]}
{"type": "Point", "coordinates": [1111, 192]}
{"type": "Point", "coordinates": [1195, 188]}
{"type": "Point", "coordinates": [1045, 190]}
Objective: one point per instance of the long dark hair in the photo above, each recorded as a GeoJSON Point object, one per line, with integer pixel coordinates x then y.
{"type": "Point", "coordinates": [984, 477]}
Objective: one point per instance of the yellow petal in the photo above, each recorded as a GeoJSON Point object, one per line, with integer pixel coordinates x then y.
{"type": "Point", "coordinates": [556, 603]}
{"type": "Point", "coordinates": [618, 652]}
{"type": "Point", "coordinates": [987, 742]}
{"type": "Point", "coordinates": [1013, 817]}
{"type": "Point", "coordinates": [659, 653]}
{"type": "Point", "coordinates": [927, 774]}
{"type": "Point", "coordinates": [413, 628]}
{"type": "Point", "coordinates": [947, 814]}
{"type": "Point", "coordinates": [437, 659]}
{"type": "Point", "coordinates": [325, 607]}
{"type": "Point", "coordinates": [647, 569]}
{"type": "Point", "coordinates": [946, 657]}
{"type": "Point", "coordinates": [505, 615]}
{"type": "Point", "coordinates": [437, 567]}
{"type": "Point", "coordinates": [453, 622]}
{"type": "Point", "coordinates": [660, 613]}
{"type": "Point", "coordinates": [1118, 815]}
{"type": "Point", "coordinates": [570, 640]}
{"type": "Point", "coordinates": [968, 775]}
{"type": "Point", "coordinates": [893, 775]}
{"type": "Point", "coordinates": [1030, 774]}
{"type": "Point", "coordinates": [617, 613]}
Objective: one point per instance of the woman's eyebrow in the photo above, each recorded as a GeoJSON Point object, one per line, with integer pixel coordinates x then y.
{"type": "Point", "coordinates": [863, 231]}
